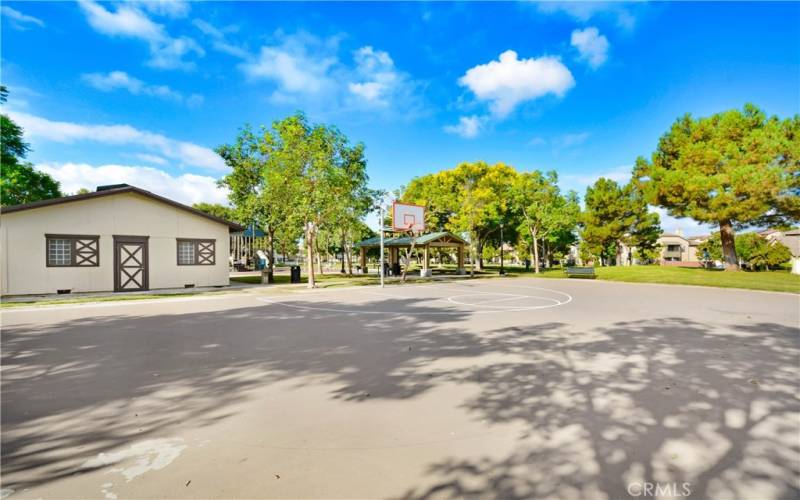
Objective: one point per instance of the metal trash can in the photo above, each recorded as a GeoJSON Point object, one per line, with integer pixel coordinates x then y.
{"type": "Point", "coordinates": [267, 277]}
{"type": "Point", "coordinates": [295, 274]}
{"type": "Point", "coordinates": [386, 269]}
{"type": "Point", "coordinates": [396, 271]}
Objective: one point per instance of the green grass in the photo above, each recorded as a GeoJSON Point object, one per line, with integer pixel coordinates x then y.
{"type": "Point", "coordinates": [773, 281]}
{"type": "Point", "coordinates": [79, 300]}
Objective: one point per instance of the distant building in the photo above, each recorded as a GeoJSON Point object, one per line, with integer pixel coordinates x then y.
{"type": "Point", "coordinates": [677, 249]}
{"type": "Point", "coordinates": [791, 239]}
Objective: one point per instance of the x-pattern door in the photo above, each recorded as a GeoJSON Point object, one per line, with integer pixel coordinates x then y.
{"type": "Point", "coordinates": [131, 265]}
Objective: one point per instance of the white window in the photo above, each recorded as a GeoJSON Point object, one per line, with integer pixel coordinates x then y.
{"type": "Point", "coordinates": [59, 252]}
{"type": "Point", "coordinates": [186, 253]}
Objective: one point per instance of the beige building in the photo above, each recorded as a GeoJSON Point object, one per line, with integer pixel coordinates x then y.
{"type": "Point", "coordinates": [791, 239]}
{"type": "Point", "coordinates": [677, 248]}
{"type": "Point", "coordinates": [119, 238]}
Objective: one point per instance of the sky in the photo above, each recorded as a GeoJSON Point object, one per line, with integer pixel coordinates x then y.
{"type": "Point", "coordinates": [142, 92]}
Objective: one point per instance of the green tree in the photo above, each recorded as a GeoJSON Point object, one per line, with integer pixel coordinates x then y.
{"type": "Point", "coordinates": [614, 216]}
{"type": "Point", "coordinates": [217, 210]}
{"type": "Point", "coordinates": [734, 169]}
{"type": "Point", "coordinates": [760, 253]}
{"type": "Point", "coordinates": [712, 247]}
{"type": "Point", "coordinates": [545, 213]}
{"type": "Point", "coordinates": [19, 182]}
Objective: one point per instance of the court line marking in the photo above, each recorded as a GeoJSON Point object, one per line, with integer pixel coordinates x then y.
{"type": "Point", "coordinates": [428, 313]}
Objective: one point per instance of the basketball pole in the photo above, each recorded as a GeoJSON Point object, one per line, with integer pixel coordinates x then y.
{"type": "Point", "coordinates": [380, 227]}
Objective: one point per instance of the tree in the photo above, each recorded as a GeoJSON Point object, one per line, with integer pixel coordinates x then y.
{"type": "Point", "coordinates": [760, 253]}
{"type": "Point", "coordinates": [19, 182]}
{"type": "Point", "coordinates": [545, 212]}
{"type": "Point", "coordinates": [615, 216]}
{"type": "Point", "coordinates": [216, 210]}
{"type": "Point", "coordinates": [471, 198]}
{"type": "Point", "coordinates": [711, 248]}
{"type": "Point", "coordinates": [734, 169]}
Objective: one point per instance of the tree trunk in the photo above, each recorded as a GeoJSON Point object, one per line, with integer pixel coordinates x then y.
{"type": "Point", "coordinates": [479, 256]}
{"type": "Point", "coordinates": [343, 250]}
{"type": "Point", "coordinates": [726, 236]}
{"type": "Point", "coordinates": [310, 259]}
{"type": "Point", "coordinates": [271, 250]}
{"type": "Point", "coordinates": [535, 253]}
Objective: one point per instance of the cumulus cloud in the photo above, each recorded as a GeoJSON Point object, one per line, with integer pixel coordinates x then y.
{"type": "Point", "coordinates": [510, 81]}
{"type": "Point", "coordinates": [185, 188]}
{"type": "Point", "coordinates": [19, 20]}
{"type": "Point", "coordinates": [377, 81]}
{"type": "Point", "coordinates": [129, 21]}
{"type": "Point", "coordinates": [168, 8]}
{"type": "Point", "coordinates": [467, 127]}
{"type": "Point", "coordinates": [185, 153]}
{"type": "Point", "coordinates": [299, 64]}
{"type": "Point", "coordinates": [592, 46]}
{"type": "Point", "coordinates": [116, 80]}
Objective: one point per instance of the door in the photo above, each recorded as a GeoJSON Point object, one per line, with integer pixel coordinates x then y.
{"type": "Point", "coordinates": [130, 263]}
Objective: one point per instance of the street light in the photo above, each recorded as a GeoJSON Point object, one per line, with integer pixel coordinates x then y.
{"type": "Point", "coordinates": [502, 268]}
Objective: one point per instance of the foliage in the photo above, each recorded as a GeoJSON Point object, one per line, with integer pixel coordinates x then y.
{"type": "Point", "coordinates": [735, 168]}
{"type": "Point", "coordinates": [305, 177]}
{"type": "Point", "coordinates": [760, 253]}
{"type": "Point", "coordinates": [712, 247]}
{"type": "Point", "coordinates": [216, 210]}
{"type": "Point", "coordinates": [19, 182]}
{"type": "Point", "coordinates": [616, 215]}
{"type": "Point", "coordinates": [544, 212]}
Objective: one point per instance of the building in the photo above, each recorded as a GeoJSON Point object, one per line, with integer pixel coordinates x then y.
{"type": "Point", "coordinates": [119, 238]}
{"type": "Point", "coordinates": [426, 243]}
{"type": "Point", "coordinates": [791, 239]}
{"type": "Point", "coordinates": [679, 250]}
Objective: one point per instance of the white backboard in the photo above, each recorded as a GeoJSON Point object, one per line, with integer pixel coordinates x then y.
{"type": "Point", "coordinates": [408, 217]}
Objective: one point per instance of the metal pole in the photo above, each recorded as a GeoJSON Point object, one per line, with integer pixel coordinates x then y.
{"type": "Point", "coordinates": [502, 269]}
{"type": "Point", "coordinates": [380, 228]}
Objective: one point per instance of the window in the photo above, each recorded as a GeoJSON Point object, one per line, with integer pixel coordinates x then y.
{"type": "Point", "coordinates": [196, 252]}
{"type": "Point", "coordinates": [673, 248]}
{"type": "Point", "coordinates": [72, 250]}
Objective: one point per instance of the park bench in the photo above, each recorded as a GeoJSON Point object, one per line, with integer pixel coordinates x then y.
{"type": "Point", "coordinates": [580, 272]}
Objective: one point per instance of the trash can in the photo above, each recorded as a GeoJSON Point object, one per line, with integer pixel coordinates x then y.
{"type": "Point", "coordinates": [267, 277]}
{"type": "Point", "coordinates": [385, 269]}
{"type": "Point", "coordinates": [295, 274]}
{"type": "Point", "coordinates": [396, 271]}
{"type": "Point", "coordinates": [365, 270]}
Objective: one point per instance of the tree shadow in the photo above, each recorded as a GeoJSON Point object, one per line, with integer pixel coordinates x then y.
{"type": "Point", "coordinates": [74, 389]}
{"type": "Point", "coordinates": [666, 401]}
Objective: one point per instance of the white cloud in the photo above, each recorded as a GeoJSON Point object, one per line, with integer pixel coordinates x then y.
{"type": "Point", "coordinates": [378, 83]}
{"type": "Point", "coordinates": [219, 38]}
{"type": "Point", "coordinates": [115, 80]}
{"type": "Point", "coordinates": [688, 226]}
{"type": "Point", "coordinates": [168, 8]}
{"type": "Point", "coordinates": [579, 182]}
{"type": "Point", "coordinates": [185, 153]}
{"type": "Point", "coordinates": [185, 188]}
{"type": "Point", "coordinates": [592, 46]}
{"type": "Point", "coordinates": [622, 12]}
{"type": "Point", "coordinates": [128, 21]}
{"type": "Point", "coordinates": [154, 159]}
{"type": "Point", "coordinates": [509, 81]}
{"type": "Point", "coordinates": [299, 64]}
{"type": "Point", "coordinates": [467, 127]}
{"type": "Point", "coordinates": [19, 20]}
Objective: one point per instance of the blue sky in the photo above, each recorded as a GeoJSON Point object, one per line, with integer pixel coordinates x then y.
{"type": "Point", "coordinates": [141, 92]}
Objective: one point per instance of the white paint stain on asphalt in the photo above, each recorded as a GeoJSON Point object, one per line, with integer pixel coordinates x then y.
{"type": "Point", "coordinates": [139, 458]}
{"type": "Point", "coordinates": [107, 493]}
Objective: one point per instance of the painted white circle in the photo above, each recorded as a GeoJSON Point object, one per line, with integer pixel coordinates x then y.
{"type": "Point", "coordinates": [475, 309]}
{"type": "Point", "coordinates": [511, 297]}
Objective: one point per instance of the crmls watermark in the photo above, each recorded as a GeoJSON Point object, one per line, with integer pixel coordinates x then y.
{"type": "Point", "coordinates": [648, 489]}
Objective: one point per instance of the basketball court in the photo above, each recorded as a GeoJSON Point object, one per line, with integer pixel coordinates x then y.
{"type": "Point", "coordinates": [513, 388]}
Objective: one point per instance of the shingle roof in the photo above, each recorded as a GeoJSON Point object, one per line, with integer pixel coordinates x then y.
{"type": "Point", "coordinates": [118, 189]}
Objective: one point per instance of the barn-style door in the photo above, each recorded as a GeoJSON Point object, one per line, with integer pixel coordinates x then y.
{"type": "Point", "coordinates": [130, 263]}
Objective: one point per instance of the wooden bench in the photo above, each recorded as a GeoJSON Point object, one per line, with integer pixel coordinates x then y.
{"type": "Point", "coordinates": [580, 272]}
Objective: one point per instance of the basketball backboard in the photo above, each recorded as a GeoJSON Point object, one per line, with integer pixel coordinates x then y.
{"type": "Point", "coordinates": [408, 217]}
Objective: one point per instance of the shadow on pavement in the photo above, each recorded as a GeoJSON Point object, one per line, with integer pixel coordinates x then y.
{"type": "Point", "coordinates": [660, 400]}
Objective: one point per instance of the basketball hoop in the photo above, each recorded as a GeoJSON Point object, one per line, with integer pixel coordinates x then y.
{"type": "Point", "coordinates": [408, 217]}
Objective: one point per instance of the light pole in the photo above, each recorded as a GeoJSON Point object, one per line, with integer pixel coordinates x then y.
{"type": "Point", "coordinates": [502, 268]}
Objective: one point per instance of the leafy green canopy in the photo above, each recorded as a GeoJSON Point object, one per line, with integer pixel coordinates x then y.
{"type": "Point", "coordinates": [19, 182]}
{"type": "Point", "coordinates": [616, 215]}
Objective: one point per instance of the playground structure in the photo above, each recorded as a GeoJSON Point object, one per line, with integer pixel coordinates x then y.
{"type": "Point", "coordinates": [248, 250]}
{"type": "Point", "coordinates": [426, 243]}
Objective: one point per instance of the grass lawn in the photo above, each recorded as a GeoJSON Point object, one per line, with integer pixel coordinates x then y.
{"type": "Point", "coordinates": [774, 281]}
{"type": "Point", "coordinates": [78, 299]}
